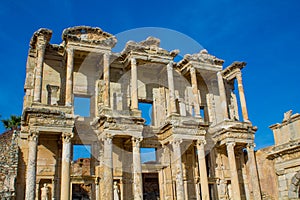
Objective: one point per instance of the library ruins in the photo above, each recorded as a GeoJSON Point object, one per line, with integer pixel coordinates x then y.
{"type": "Point", "coordinates": [156, 128]}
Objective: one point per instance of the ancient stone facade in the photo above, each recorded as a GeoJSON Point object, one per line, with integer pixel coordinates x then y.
{"type": "Point", "coordinates": [203, 148]}
{"type": "Point", "coordinates": [8, 164]}
{"type": "Point", "coordinates": [286, 156]}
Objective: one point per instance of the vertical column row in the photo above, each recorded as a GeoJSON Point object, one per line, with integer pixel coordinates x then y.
{"type": "Point", "coordinates": [134, 85]}
{"type": "Point", "coordinates": [170, 77]}
{"type": "Point", "coordinates": [106, 75]}
{"type": "Point", "coordinates": [242, 96]}
{"type": "Point", "coordinates": [39, 72]}
{"type": "Point", "coordinates": [253, 172]}
{"type": "Point", "coordinates": [222, 93]}
{"type": "Point", "coordinates": [107, 179]}
{"type": "Point", "coordinates": [69, 76]}
{"type": "Point", "coordinates": [65, 166]}
{"type": "Point", "coordinates": [202, 169]}
{"type": "Point", "coordinates": [195, 91]}
{"type": "Point", "coordinates": [233, 171]}
{"type": "Point", "coordinates": [178, 169]}
{"type": "Point", "coordinates": [31, 166]}
{"type": "Point", "coordinates": [137, 169]}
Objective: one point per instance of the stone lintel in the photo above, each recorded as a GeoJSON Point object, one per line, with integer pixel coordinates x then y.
{"type": "Point", "coordinates": [41, 34]}
{"type": "Point", "coordinates": [144, 58]}
{"type": "Point", "coordinates": [89, 35]}
{"type": "Point", "coordinates": [89, 48]}
{"type": "Point", "coordinates": [230, 72]}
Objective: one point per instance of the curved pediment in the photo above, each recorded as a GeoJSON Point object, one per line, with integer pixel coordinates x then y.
{"type": "Point", "coordinates": [89, 35]}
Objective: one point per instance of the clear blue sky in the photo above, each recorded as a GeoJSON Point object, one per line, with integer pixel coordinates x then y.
{"type": "Point", "coordinates": [264, 33]}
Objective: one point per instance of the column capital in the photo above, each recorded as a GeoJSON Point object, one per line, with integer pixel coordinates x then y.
{"type": "Point", "coordinates": [133, 61]}
{"type": "Point", "coordinates": [136, 141]}
{"type": "Point", "coordinates": [250, 146]}
{"type": "Point", "coordinates": [192, 69]}
{"type": "Point", "coordinates": [107, 138]}
{"type": "Point", "coordinates": [176, 142]}
{"type": "Point", "coordinates": [33, 136]}
{"type": "Point", "coordinates": [200, 143]}
{"type": "Point", "coordinates": [41, 46]}
{"type": "Point", "coordinates": [70, 50]}
{"type": "Point", "coordinates": [66, 137]}
{"type": "Point", "coordinates": [230, 144]}
{"type": "Point", "coordinates": [170, 65]}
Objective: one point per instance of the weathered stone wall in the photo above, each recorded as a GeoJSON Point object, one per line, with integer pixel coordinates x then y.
{"type": "Point", "coordinates": [8, 164]}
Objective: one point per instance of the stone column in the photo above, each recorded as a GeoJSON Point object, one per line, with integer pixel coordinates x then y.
{"type": "Point", "coordinates": [69, 76]}
{"type": "Point", "coordinates": [195, 91]}
{"type": "Point", "coordinates": [97, 189]}
{"type": "Point", "coordinates": [106, 97]}
{"type": "Point", "coordinates": [134, 85]}
{"type": "Point", "coordinates": [242, 96]}
{"type": "Point", "coordinates": [107, 179]}
{"type": "Point", "coordinates": [171, 88]}
{"type": "Point", "coordinates": [65, 166]}
{"type": "Point", "coordinates": [31, 166]}
{"type": "Point", "coordinates": [39, 72]}
{"type": "Point", "coordinates": [222, 93]}
{"type": "Point", "coordinates": [245, 177]}
{"type": "Point", "coordinates": [202, 169]}
{"type": "Point", "coordinates": [178, 169]}
{"type": "Point", "coordinates": [53, 189]}
{"type": "Point", "coordinates": [137, 169]}
{"type": "Point", "coordinates": [233, 171]}
{"type": "Point", "coordinates": [253, 172]}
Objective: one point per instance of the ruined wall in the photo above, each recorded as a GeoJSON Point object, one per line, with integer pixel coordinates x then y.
{"type": "Point", "coordinates": [266, 173]}
{"type": "Point", "coordinates": [8, 164]}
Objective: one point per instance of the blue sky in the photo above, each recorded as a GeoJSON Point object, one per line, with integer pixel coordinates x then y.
{"type": "Point", "coordinates": [264, 33]}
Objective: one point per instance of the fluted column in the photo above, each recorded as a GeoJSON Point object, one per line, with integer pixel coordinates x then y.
{"type": "Point", "coordinates": [242, 96]}
{"type": "Point", "coordinates": [107, 179]}
{"type": "Point", "coordinates": [171, 88]}
{"type": "Point", "coordinates": [106, 74]}
{"type": "Point", "coordinates": [134, 85]}
{"type": "Point", "coordinates": [65, 166]}
{"type": "Point", "coordinates": [202, 169]}
{"type": "Point", "coordinates": [39, 72]}
{"type": "Point", "coordinates": [253, 172]}
{"type": "Point", "coordinates": [195, 91]}
{"type": "Point", "coordinates": [233, 171]}
{"type": "Point", "coordinates": [222, 93]}
{"type": "Point", "coordinates": [31, 166]}
{"type": "Point", "coordinates": [69, 76]}
{"type": "Point", "coordinates": [178, 169]}
{"type": "Point", "coordinates": [137, 169]}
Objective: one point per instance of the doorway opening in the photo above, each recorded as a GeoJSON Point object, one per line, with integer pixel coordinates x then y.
{"type": "Point", "coordinates": [150, 186]}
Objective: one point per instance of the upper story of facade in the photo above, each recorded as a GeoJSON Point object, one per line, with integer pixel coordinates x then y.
{"type": "Point", "coordinates": [196, 89]}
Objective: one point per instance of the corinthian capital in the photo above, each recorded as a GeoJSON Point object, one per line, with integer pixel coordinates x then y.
{"type": "Point", "coordinates": [33, 136]}
{"type": "Point", "coordinates": [66, 137]}
{"type": "Point", "coordinates": [136, 142]}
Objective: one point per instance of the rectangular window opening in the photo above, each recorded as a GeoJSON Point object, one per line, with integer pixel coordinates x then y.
{"type": "Point", "coordinates": [81, 152]}
{"type": "Point", "coordinates": [202, 112]}
{"type": "Point", "coordinates": [147, 114]}
{"type": "Point", "coordinates": [148, 155]}
{"type": "Point", "coordinates": [82, 106]}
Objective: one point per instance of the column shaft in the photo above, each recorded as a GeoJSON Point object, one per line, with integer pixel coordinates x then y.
{"type": "Point", "coordinates": [202, 170]}
{"type": "Point", "coordinates": [171, 88]}
{"type": "Point", "coordinates": [65, 166]}
{"type": "Point", "coordinates": [134, 85]}
{"type": "Point", "coordinates": [222, 93]}
{"type": "Point", "coordinates": [233, 171]}
{"type": "Point", "coordinates": [253, 172]}
{"type": "Point", "coordinates": [137, 170]}
{"type": "Point", "coordinates": [195, 91]}
{"type": "Point", "coordinates": [242, 96]}
{"type": "Point", "coordinates": [31, 166]}
{"type": "Point", "coordinates": [106, 74]}
{"type": "Point", "coordinates": [39, 72]}
{"type": "Point", "coordinates": [69, 76]}
{"type": "Point", "coordinates": [178, 169]}
{"type": "Point", "coordinates": [107, 179]}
